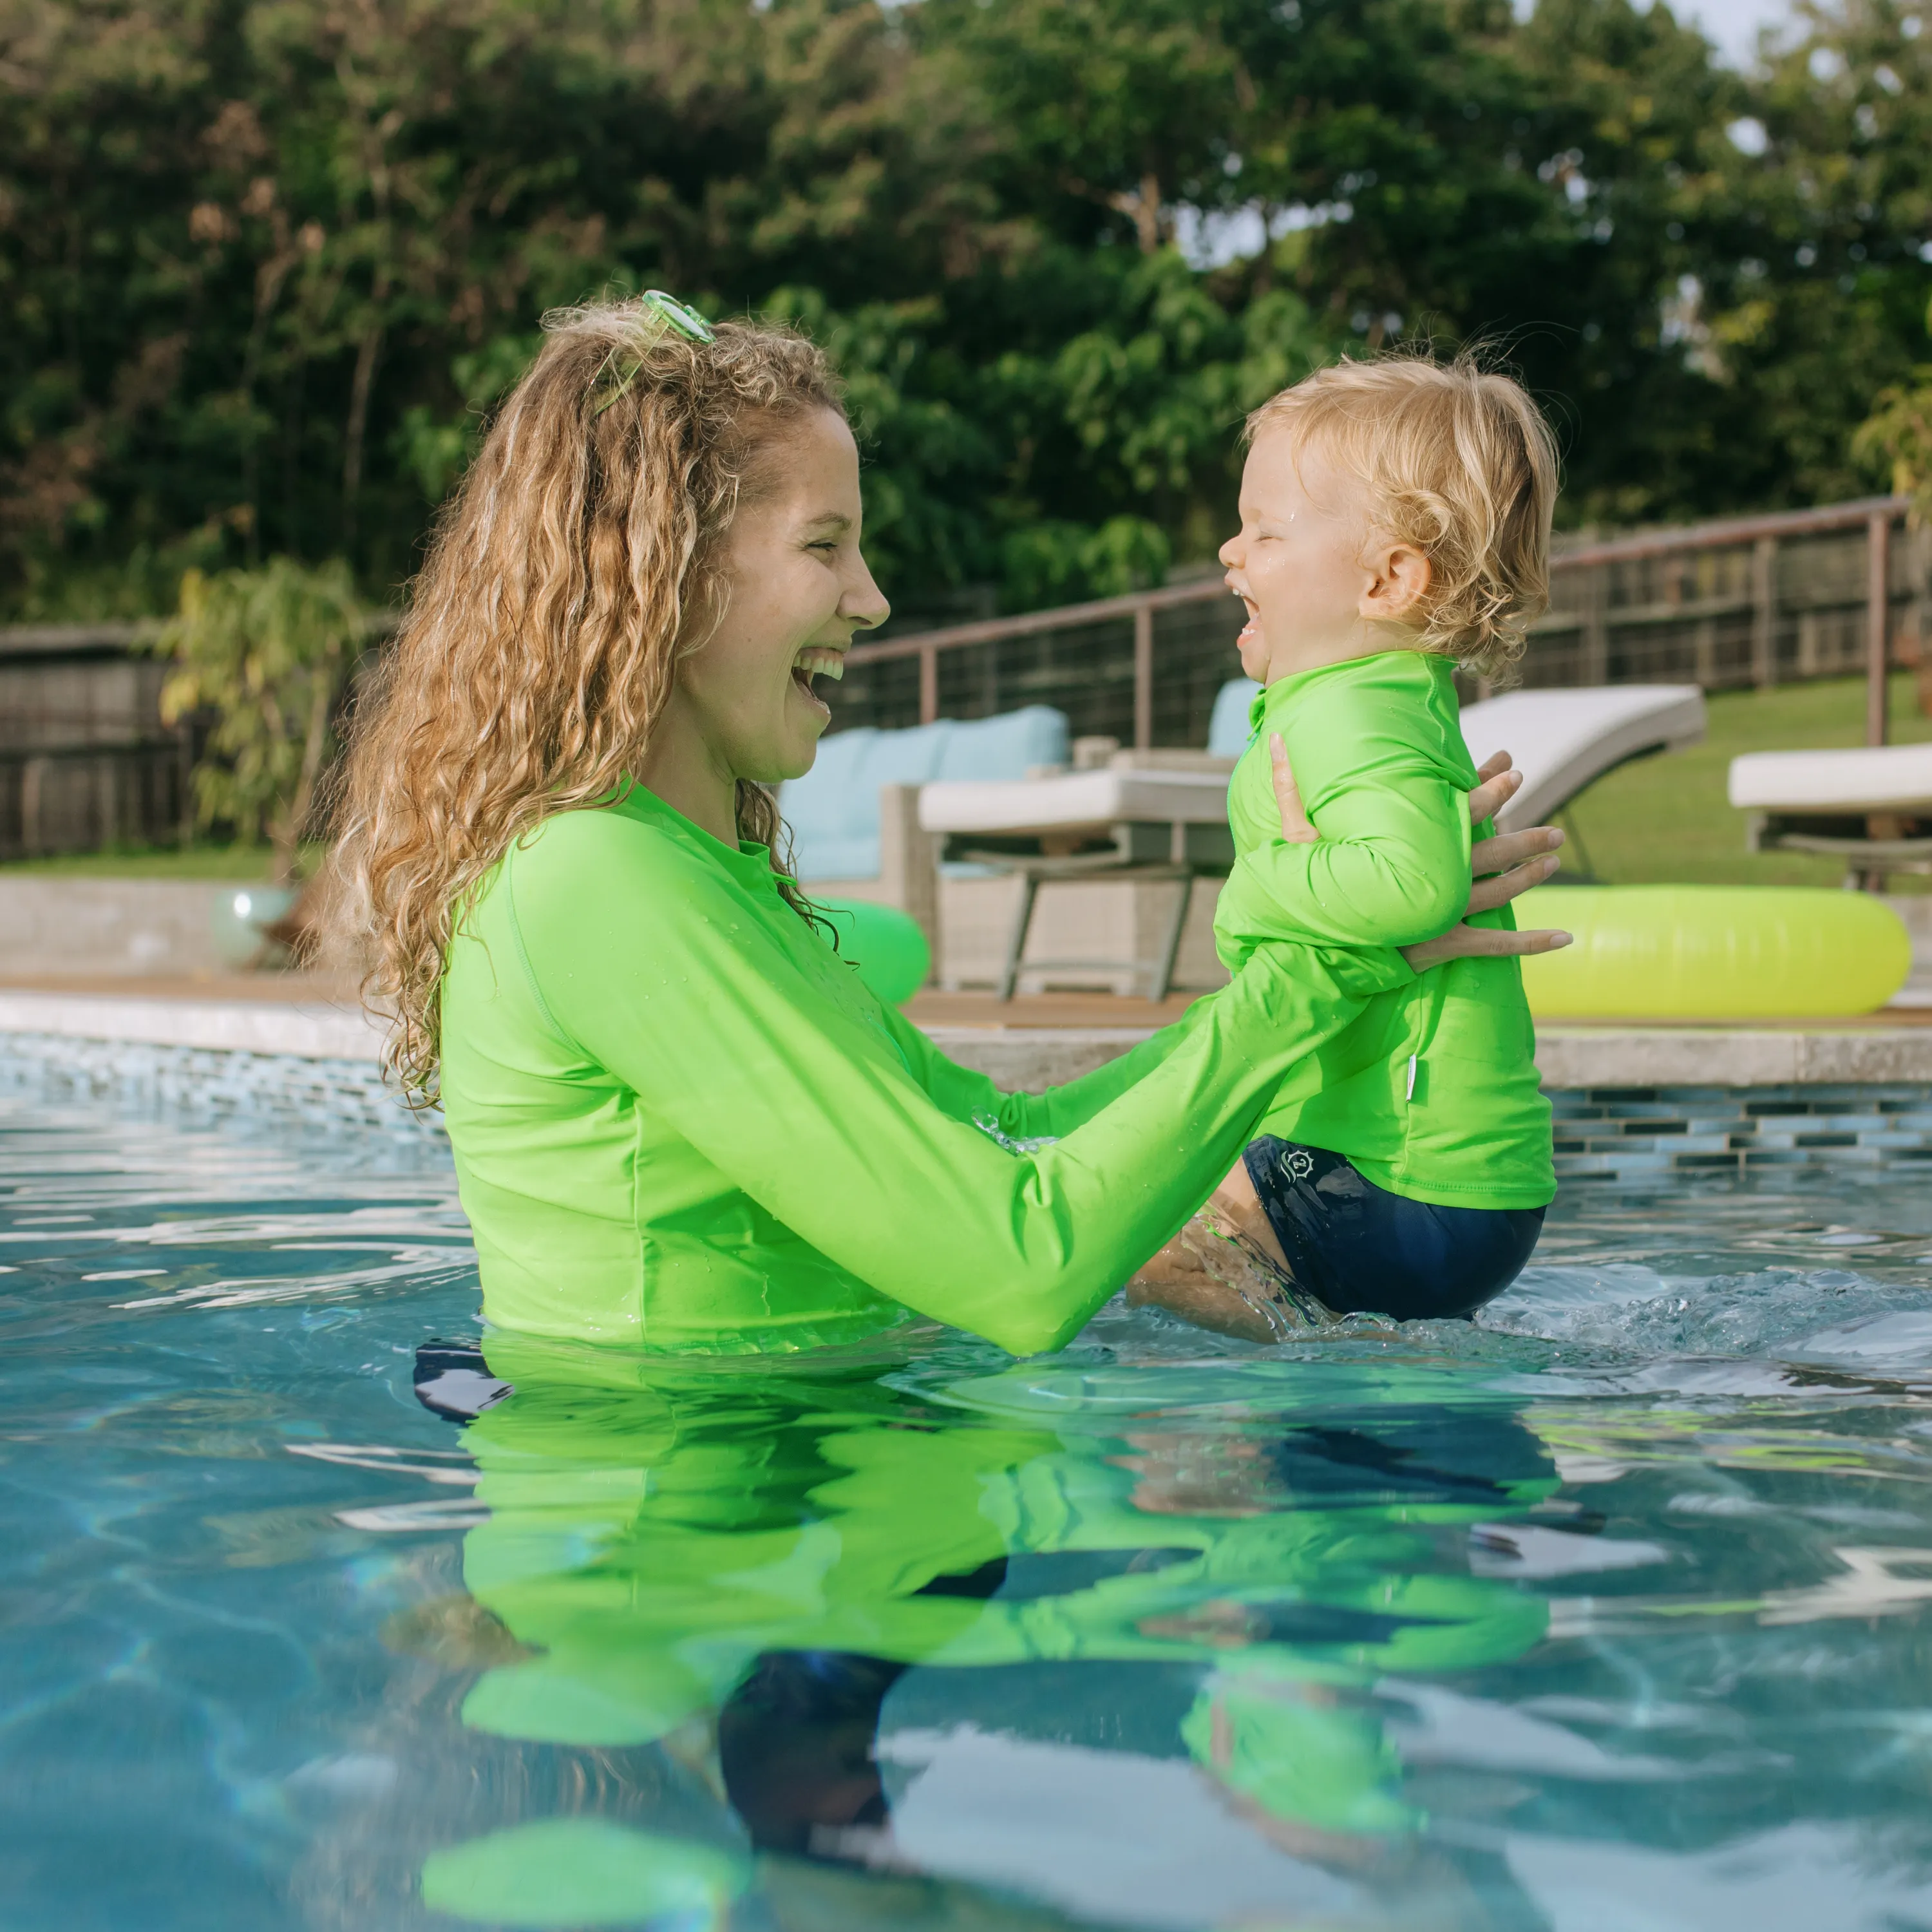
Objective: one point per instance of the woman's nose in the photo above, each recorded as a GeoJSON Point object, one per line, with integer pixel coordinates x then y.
{"type": "Point", "coordinates": [864, 603]}
{"type": "Point", "coordinates": [1230, 552]}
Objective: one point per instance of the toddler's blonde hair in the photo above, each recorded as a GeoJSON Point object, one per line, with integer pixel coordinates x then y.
{"type": "Point", "coordinates": [1457, 461]}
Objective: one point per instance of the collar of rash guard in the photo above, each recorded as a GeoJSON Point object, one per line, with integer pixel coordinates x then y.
{"type": "Point", "coordinates": [748, 861]}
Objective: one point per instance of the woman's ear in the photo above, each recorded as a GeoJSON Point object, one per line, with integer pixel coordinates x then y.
{"type": "Point", "coordinates": [1400, 577]}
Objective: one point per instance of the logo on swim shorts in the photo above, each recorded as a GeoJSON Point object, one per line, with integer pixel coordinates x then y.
{"type": "Point", "coordinates": [1297, 1164]}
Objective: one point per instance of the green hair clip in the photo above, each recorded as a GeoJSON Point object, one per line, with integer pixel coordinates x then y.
{"type": "Point", "coordinates": [663, 314]}
{"type": "Point", "coordinates": [679, 316]}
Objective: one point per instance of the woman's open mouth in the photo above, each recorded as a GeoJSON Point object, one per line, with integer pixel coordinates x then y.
{"type": "Point", "coordinates": [818, 661]}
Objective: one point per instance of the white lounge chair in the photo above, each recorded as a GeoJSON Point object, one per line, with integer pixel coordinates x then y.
{"type": "Point", "coordinates": [1871, 807]}
{"type": "Point", "coordinates": [1131, 822]}
{"type": "Point", "coordinates": [1564, 740]}
{"type": "Point", "coordinates": [1117, 824]}
{"type": "Point", "coordinates": [1145, 817]}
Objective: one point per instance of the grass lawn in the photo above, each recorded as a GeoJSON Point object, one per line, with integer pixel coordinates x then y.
{"type": "Point", "coordinates": [1665, 820]}
{"type": "Point", "coordinates": [249, 864]}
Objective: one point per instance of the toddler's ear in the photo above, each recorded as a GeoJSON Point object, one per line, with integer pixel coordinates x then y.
{"type": "Point", "coordinates": [1400, 575]}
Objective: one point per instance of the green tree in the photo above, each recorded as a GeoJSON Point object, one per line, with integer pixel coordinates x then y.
{"type": "Point", "coordinates": [1123, 106]}
{"type": "Point", "coordinates": [1815, 299]}
{"type": "Point", "coordinates": [268, 651]}
{"type": "Point", "coordinates": [265, 265]}
{"type": "Point", "coordinates": [1627, 122]}
{"type": "Point", "coordinates": [1898, 435]}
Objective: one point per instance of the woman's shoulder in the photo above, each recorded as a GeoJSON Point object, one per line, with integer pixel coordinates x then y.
{"type": "Point", "coordinates": [615, 836]}
{"type": "Point", "coordinates": [634, 867]}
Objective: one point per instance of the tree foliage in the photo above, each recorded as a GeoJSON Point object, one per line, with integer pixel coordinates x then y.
{"type": "Point", "coordinates": [267, 651]}
{"type": "Point", "coordinates": [1897, 436]}
{"type": "Point", "coordinates": [265, 264]}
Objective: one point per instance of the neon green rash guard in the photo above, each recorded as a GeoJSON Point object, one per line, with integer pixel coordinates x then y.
{"type": "Point", "coordinates": [681, 1122]}
{"type": "Point", "coordinates": [1433, 1093]}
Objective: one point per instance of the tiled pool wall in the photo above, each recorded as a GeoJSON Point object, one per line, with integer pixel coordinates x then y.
{"type": "Point", "coordinates": [1643, 1133]}
{"type": "Point", "coordinates": [1617, 1134]}
{"type": "Point", "coordinates": [214, 1083]}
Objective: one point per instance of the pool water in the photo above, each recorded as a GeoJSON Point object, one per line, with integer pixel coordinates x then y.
{"type": "Point", "coordinates": [1613, 1611]}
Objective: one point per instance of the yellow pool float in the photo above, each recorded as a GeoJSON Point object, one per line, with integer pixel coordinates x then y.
{"type": "Point", "coordinates": [1713, 953]}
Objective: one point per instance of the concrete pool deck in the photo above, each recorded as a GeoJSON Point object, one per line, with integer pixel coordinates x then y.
{"type": "Point", "coordinates": [1030, 1043]}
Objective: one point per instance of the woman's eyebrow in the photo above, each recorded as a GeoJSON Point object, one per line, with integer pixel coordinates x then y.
{"type": "Point", "coordinates": [830, 520]}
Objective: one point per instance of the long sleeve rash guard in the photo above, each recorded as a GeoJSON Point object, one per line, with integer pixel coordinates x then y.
{"type": "Point", "coordinates": [680, 1121]}
{"type": "Point", "coordinates": [1433, 1093]}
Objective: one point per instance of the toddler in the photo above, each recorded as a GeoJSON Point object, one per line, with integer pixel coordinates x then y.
{"type": "Point", "coordinates": [1395, 523]}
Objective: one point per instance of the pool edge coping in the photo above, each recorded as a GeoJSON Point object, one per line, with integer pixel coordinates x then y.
{"type": "Point", "coordinates": [1568, 1057]}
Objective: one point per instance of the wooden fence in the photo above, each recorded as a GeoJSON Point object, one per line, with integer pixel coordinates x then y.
{"type": "Point", "coordinates": [85, 761]}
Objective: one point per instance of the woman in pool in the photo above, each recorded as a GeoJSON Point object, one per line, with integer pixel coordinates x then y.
{"type": "Point", "coordinates": [680, 1121]}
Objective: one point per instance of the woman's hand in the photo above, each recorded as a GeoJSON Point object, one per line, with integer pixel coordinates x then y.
{"type": "Point", "coordinates": [1500, 868]}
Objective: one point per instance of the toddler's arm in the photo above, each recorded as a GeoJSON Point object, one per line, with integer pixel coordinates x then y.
{"type": "Point", "coordinates": [1388, 867]}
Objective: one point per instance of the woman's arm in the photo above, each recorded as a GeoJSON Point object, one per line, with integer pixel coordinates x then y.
{"type": "Point", "coordinates": [657, 972]}
{"type": "Point", "coordinates": [966, 1095]}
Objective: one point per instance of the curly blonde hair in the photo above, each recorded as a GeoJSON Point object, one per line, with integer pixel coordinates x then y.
{"type": "Point", "coordinates": [579, 560]}
{"type": "Point", "coordinates": [1458, 461]}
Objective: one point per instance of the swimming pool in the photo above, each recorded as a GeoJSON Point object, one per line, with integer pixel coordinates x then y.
{"type": "Point", "coordinates": [1613, 1611]}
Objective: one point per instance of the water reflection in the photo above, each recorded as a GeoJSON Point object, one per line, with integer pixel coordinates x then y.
{"type": "Point", "coordinates": [826, 1589]}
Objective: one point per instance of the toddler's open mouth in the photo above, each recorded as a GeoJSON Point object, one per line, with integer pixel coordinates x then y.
{"type": "Point", "coordinates": [1251, 630]}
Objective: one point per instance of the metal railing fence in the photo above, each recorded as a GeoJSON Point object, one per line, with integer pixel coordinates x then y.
{"type": "Point", "coordinates": [1745, 600]}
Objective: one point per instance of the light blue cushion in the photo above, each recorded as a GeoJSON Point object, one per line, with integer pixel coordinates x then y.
{"type": "Point", "coordinates": [1008, 746]}
{"type": "Point", "coordinates": [1228, 727]}
{"type": "Point", "coordinates": [833, 811]}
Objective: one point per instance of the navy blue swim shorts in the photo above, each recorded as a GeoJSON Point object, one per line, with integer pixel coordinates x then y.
{"type": "Point", "coordinates": [1359, 1250]}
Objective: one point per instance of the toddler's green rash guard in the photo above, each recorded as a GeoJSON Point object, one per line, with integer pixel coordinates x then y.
{"type": "Point", "coordinates": [1433, 1093]}
{"type": "Point", "coordinates": [680, 1120]}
